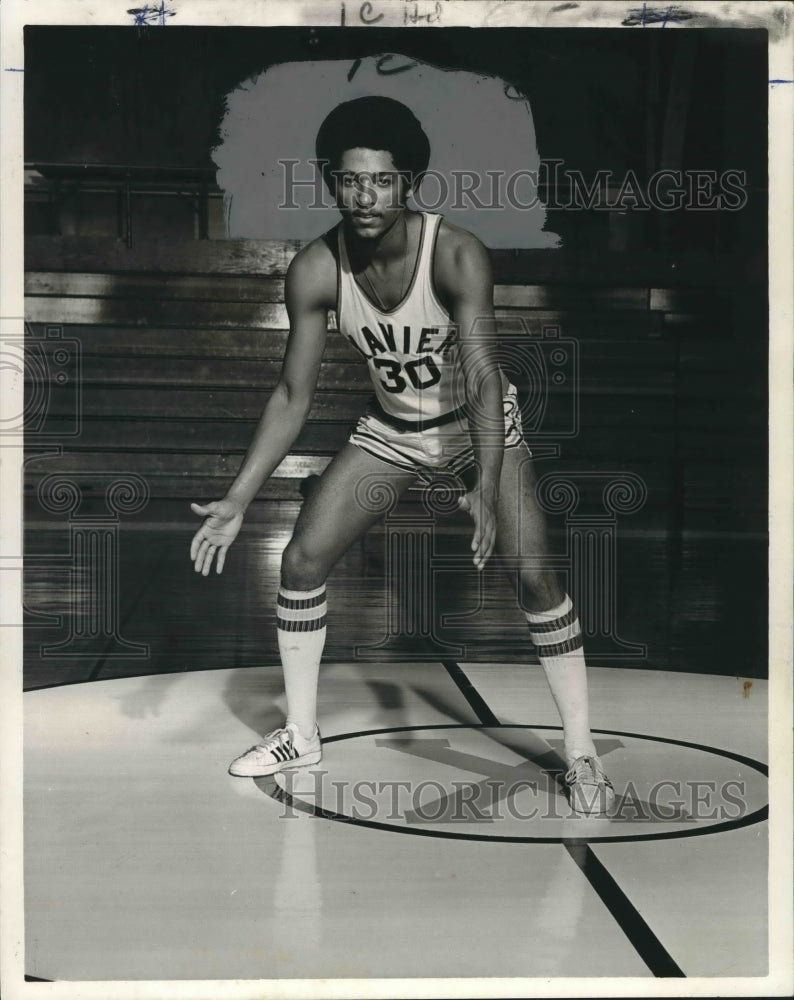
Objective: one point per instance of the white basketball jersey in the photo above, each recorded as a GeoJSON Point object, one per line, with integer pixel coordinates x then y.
{"type": "Point", "coordinates": [411, 350]}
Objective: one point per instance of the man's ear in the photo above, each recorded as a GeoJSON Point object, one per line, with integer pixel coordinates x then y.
{"type": "Point", "coordinates": [331, 178]}
{"type": "Point", "coordinates": [412, 181]}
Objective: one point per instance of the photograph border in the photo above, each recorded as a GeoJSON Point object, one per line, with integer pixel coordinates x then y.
{"type": "Point", "coordinates": [777, 18]}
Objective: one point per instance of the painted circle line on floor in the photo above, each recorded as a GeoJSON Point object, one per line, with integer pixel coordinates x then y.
{"type": "Point", "coordinates": [505, 783]}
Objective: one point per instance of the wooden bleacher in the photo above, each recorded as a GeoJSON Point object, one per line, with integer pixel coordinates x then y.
{"type": "Point", "coordinates": [181, 342]}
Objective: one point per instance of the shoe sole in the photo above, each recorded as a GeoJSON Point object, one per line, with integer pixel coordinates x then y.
{"type": "Point", "coordinates": [260, 772]}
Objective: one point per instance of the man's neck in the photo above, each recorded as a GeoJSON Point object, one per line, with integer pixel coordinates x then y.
{"type": "Point", "coordinates": [390, 246]}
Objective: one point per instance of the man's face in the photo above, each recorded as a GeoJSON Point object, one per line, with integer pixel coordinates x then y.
{"type": "Point", "coordinates": [370, 193]}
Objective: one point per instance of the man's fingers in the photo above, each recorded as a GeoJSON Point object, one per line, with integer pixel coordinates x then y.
{"type": "Point", "coordinates": [202, 550]}
{"type": "Point", "coordinates": [475, 512]}
{"type": "Point", "coordinates": [199, 539]}
{"type": "Point", "coordinates": [488, 547]}
{"type": "Point", "coordinates": [485, 547]}
{"type": "Point", "coordinates": [480, 555]}
{"type": "Point", "coordinates": [195, 545]}
{"type": "Point", "coordinates": [484, 537]}
{"type": "Point", "coordinates": [208, 557]}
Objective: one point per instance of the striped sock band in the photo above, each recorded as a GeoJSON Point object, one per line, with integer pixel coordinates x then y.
{"type": "Point", "coordinates": [556, 631]}
{"type": "Point", "coordinates": [301, 610]}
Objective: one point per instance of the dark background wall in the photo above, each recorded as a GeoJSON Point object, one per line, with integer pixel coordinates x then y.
{"type": "Point", "coordinates": [600, 100]}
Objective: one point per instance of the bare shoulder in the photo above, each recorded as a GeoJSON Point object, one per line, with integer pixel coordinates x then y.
{"type": "Point", "coordinates": [460, 259]}
{"type": "Point", "coordinates": [311, 276]}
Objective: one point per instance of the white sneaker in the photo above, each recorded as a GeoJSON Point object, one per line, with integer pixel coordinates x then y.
{"type": "Point", "coordinates": [589, 789]}
{"type": "Point", "coordinates": [278, 750]}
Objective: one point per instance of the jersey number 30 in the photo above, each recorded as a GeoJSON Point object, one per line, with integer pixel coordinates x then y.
{"type": "Point", "coordinates": [394, 381]}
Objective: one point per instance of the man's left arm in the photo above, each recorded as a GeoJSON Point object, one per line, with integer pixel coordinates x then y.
{"type": "Point", "coordinates": [471, 297]}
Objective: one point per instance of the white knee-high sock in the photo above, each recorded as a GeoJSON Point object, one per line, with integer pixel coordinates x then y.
{"type": "Point", "coordinates": [300, 626]}
{"type": "Point", "coordinates": [557, 636]}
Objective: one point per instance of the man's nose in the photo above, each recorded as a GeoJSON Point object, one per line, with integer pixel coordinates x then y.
{"type": "Point", "coordinates": [364, 194]}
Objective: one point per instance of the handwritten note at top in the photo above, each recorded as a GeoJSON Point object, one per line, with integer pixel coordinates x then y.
{"type": "Point", "coordinates": [646, 15]}
{"type": "Point", "coordinates": [389, 15]}
{"type": "Point", "coordinates": [144, 17]}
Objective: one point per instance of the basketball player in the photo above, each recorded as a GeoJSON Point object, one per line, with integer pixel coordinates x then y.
{"type": "Point", "coordinates": [414, 295]}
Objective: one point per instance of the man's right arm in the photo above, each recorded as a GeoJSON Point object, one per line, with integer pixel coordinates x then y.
{"type": "Point", "coordinates": [306, 294]}
{"type": "Point", "coordinates": [309, 292]}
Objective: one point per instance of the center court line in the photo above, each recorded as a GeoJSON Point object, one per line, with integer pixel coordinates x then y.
{"type": "Point", "coordinates": [470, 693]}
{"type": "Point", "coordinates": [643, 940]}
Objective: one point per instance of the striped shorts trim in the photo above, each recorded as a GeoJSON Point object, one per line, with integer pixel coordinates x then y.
{"type": "Point", "coordinates": [384, 450]}
{"type": "Point", "coordinates": [446, 448]}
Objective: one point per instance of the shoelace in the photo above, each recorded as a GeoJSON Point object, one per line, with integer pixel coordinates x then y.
{"type": "Point", "coordinates": [279, 737]}
{"type": "Point", "coordinates": [586, 770]}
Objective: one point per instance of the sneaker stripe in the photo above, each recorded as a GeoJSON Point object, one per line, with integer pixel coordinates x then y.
{"type": "Point", "coordinates": [277, 751]}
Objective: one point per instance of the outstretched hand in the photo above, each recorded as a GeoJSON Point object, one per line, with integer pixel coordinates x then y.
{"type": "Point", "coordinates": [224, 519]}
{"type": "Point", "coordinates": [481, 504]}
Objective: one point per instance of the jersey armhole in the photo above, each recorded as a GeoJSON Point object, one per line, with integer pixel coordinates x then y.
{"type": "Point", "coordinates": [331, 240]}
{"type": "Point", "coordinates": [432, 269]}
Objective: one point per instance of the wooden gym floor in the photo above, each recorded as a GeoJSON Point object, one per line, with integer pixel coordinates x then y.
{"type": "Point", "coordinates": [433, 839]}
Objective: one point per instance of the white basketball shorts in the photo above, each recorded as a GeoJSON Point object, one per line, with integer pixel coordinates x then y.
{"type": "Point", "coordinates": [446, 447]}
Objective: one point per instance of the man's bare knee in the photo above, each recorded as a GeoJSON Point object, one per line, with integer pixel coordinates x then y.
{"type": "Point", "coordinates": [300, 570]}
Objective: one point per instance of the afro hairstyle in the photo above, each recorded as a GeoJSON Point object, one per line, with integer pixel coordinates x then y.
{"type": "Point", "coordinates": [373, 123]}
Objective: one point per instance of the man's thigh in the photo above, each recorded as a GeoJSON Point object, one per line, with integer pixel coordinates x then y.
{"type": "Point", "coordinates": [355, 491]}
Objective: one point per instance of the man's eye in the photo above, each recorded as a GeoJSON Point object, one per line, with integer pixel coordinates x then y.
{"type": "Point", "coordinates": [384, 180]}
